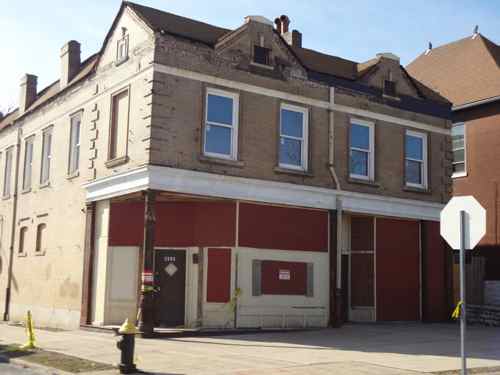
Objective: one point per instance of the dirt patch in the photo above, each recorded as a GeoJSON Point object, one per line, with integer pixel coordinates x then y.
{"type": "Point", "coordinates": [52, 359]}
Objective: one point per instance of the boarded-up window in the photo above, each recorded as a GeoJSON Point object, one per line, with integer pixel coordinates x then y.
{"type": "Point", "coordinates": [286, 278]}
{"type": "Point", "coordinates": [74, 144]}
{"type": "Point", "coordinates": [40, 238]}
{"type": "Point", "coordinates": [22, 240]}
{"type": "Point", "coordinates": [46, 156]}
{"type": "Point", "coordinates": [119, 125]}
{"type": "Point", "coordinates": [8, 172]}
{"type": "Point", "coordinates": [219, 275]}
{"type": "Point", "coordinates": [28, 162]}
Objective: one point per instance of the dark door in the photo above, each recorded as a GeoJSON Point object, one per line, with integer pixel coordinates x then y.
{"type": "Point", "coordinates": [170, 278]}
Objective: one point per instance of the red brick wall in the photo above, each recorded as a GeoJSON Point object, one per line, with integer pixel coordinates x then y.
{"type": "Point", "coordinates": [219, 275]}
{"type": "Point", "coordinates": [272, 227]}
{"type": "Point", "coordinates": [271, 284]}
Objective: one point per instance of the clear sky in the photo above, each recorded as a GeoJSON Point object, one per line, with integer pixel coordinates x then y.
{"type": "Point", "coordinates": [32, 32]}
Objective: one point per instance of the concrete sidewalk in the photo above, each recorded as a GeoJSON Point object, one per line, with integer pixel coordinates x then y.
{"type": "Point", "coordinates": [353, 349]}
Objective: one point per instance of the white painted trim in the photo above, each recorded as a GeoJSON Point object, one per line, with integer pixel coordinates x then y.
{"type": "Point", "coordinates": [371, 149]}
{"type": "Point", "coordinates": [424, 161]}
{"type": "Point", "coordinates": [178, 72]}
{"type": "Point", "coordinates": [234, 126]}
{"type": "Point", "coordinates": [305, 136]}
{"type": "Point", "coordinates": [223, 186]}
{"type": "Point", "coordinates": [464, 173]}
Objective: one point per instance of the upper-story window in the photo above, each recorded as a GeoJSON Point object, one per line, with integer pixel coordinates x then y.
{"type": "Point", "coordinates": [389, 87]}
{"type": "Point", "coordinates": [74, 144]}
{"type": "Point", "coordinates": [46, 156]}
{"type": "Point", "coordinates": [7, 179]}
{"type": "Point", "coordinates": [362, 158]}
{"type": "Point", "coordinates": [22, 240]}
{"type": "Point", "coordinates": [28, 162]}
{"type": "Point", "coordinates": [261, 55]}
{"type": "Point", "coordinates": [416, 159]}
{"type": "Point", "coordinates": [221, 124]}
{"type": "Point", "coordinates": [122, 47]}
{"type": "Point", "coordinates": [293, 137]}
{"type": "Point", "coordinates": [119, 125]}
{"type": "Point", "coordinates": [459, 146]}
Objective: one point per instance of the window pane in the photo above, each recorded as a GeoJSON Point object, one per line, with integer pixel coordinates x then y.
{"type": "Point", "coordinates": [414, 147]}
{"type": "Point", "coordinates": [218, 139]}
{"type": "Point", "coordinates": [291, 123]}
{"type": "Point", "coordinates": [220, 109]}
{"type": "Point", "coordinates": [457, 142]}
{"type": "Point", "coordinates": [459, 167]}
{"type": "Point", "coordinates": [28, 161]}
{"type": "Point", "coordinates": [458, 156]}
{"type": "Point", "coordinates": [290, 152]}
{"type": "Point", "coordinates": [359, 163]}
{"type": "Point", "coordinates": [413, 172]}
{"type": "Point", "coordinates": [458, 130]}
{"type": "Point", "coordinates": [74, 144]}
{"type": "Point", "coordinates": [360, 136]}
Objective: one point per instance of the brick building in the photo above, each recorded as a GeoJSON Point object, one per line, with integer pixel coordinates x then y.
{"type": "Point", "coordinates": [474, 89]}
{"type": "Point", "coordinates": [258, 183]}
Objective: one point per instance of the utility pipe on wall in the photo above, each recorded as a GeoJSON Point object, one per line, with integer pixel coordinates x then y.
{"type": "Point", "coordinates": [13, 228]}
{"type": "Point", "coordinates": [331, 140]}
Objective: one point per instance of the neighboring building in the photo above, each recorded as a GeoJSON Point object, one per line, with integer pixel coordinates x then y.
{"type": "Point", "coordinates": [467, 73]}
{"type": "Point", "coordinates": [263, 183]}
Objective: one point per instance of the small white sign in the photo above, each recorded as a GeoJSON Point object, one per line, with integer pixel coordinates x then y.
{"type": "Point", "coordinates": [475, 222]}
{"type": "Point", "coordinates": [284, 275]}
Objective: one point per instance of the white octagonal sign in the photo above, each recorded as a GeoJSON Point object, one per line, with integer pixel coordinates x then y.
{"type": "Point", "coordinates": [475, 222]}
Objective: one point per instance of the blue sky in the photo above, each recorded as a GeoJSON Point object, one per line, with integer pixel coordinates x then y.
{"type": "Point", "coordinates": [32, 32]}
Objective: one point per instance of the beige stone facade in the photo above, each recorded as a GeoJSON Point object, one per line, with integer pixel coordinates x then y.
{"type": "Point", "coordinates": [167, 78]}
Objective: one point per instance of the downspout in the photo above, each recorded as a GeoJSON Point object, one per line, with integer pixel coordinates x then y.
{"type": "Point", "coordinates": [331, 139]}
{"type": "Point", "coordinates": [13, 229]}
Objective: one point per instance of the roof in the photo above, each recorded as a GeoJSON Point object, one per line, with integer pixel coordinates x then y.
{"type": "Point", "coordinates": [160, 21]}
{"type": "Point", "coordinates": [464, 71]}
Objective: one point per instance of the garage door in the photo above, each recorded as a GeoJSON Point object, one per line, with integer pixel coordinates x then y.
{"type": "Point", "coordinates": [397, 269]}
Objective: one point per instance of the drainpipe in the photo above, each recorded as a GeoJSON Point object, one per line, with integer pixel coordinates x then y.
{"type": "Point", "coordinates": [13, 229]}
{"type": "Point", "coordinates": [331, 140]}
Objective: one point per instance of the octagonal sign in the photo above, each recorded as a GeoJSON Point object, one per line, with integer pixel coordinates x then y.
{"type": "Point", "coordinates": [475, 222]}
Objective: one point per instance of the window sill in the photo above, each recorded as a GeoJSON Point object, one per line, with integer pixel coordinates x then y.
{"type": "Point", "coordinates": [6, 197]}
{"type": "Point", "coordinates": [22, 255]}
{"type": "Point", "coordinates": [73, 175]}
{"type": "Point", "coordinates": [296, 172]}
{"type": "Point", "coordinates": [116, 162]}
{"type": "Point", "coordinates": [414, 189]}
{"type": "Point", "coordinates": [40, 253]}
{"type": "Point", "coordinates": [45, 185]}
{"type": "Point", "coordinates": [26, 191]}
{"type": "Point", "coordinates": [268, 67]}
{"type": "Point", "coordinates": [121, 61]}
{"type": "Point", "coordinates": [221, 161]}
{"type": "Point", "coordinates": [359, 181]}
{"type": "Point", "coordinates": [385, 96]}
{"type": "Point", "coordinates": [459, 175]}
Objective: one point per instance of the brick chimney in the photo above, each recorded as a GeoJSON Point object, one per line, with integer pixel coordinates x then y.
{"type": "Point", "coordinates": [27, 93]}
{"type": "Point", "coordinates": [293, 38]}
{"type": "Point", "coordinates": [70, 62]}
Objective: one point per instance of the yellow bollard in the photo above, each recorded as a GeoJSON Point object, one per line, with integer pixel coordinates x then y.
{"type": "Point", "coordinates": [30, 332]}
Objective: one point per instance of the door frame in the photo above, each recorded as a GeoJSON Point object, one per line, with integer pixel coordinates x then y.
{"type": "Point", "coordinates": [187, 252]}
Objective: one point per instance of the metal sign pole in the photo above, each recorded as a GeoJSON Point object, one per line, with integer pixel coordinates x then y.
{"type": "Point", "coordinates": [463, 321]}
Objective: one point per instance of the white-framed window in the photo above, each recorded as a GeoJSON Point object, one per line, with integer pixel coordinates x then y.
{"type": "Point", "coordinates": [459, 146]}
{"type": "Point", "coordinates": [22, 240]}
{"type": "Point", "coordinates": [294, 129]}
{"type": "Point", "coordinates": [118, 134]}
{"type": "Point", "coordinates": [28, 162]}
{"type": "Point", "coordinates": [415, 159]}
{"type": "Point", "coordinates": [221, 124]}
{"type": "Point", "coordinates": [46, 156]}
{"type": "Point", "coordinates": [74, 143]}
{"type": "Point", "coordinates": [362, 150]}
{"type": "Point", "coordinates": [122, 47]}
{"type": "Point", "coordinates": [7, 178]}
{"type": "Point", "coordinates": [40, 237]}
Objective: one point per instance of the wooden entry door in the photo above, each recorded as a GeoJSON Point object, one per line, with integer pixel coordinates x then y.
{"type": "Point", "coordinates": [170, 278]}
{"type": "Point", "coordinates": [362, 288]}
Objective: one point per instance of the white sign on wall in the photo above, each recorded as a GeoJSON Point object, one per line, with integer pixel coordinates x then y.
{"type": "Point", "coordinates": [284, 275]}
